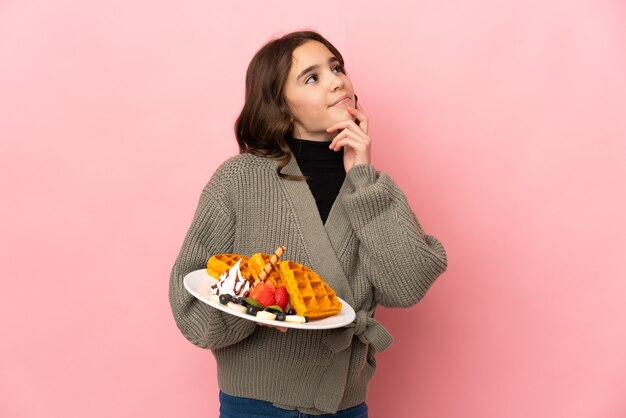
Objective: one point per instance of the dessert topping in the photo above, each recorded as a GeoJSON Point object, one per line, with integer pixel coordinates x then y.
{"type": "Point", "coordinates": [232, 283]}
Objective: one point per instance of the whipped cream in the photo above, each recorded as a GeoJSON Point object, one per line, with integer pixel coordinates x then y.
{"type": "Point", "coordinates": [232, 283]}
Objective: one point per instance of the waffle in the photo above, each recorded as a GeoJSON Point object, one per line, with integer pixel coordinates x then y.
{"type": "Point", "coordinates": [257, 263]}
{"type": "Point", "coordinates": [220, 263]}
{"type": "Point", "coordinates": [309, 295]}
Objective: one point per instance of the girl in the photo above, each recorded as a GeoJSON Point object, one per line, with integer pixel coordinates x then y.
{"type": "Point", "coordinates": [303, 179]}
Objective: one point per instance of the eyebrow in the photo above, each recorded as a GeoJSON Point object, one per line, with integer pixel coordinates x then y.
{"type": "Point", "coordinates": [315, 67]}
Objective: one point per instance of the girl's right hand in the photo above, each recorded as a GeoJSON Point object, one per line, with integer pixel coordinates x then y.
{"type": "Point", "coordinates": [353, 138]}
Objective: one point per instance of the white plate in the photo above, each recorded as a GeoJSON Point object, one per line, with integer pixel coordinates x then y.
{"type": "Point", "coordinates": [199, 283]}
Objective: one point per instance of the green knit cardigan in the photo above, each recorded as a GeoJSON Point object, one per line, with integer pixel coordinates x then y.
{"type": "Point", "coordinates": [371, 251]}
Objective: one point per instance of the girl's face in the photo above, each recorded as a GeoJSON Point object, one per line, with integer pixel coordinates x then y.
{"type": "Point", "coordinates": [317, 92]}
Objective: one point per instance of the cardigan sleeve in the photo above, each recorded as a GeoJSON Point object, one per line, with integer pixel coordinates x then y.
{"type": "Point", "coordinates": [400, 259]}
{"type": "Point", "coordinates": [211, 232]}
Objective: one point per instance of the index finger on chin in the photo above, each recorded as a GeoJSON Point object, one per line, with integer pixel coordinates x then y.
{"type": "Point", "coordinates": [361, 117]}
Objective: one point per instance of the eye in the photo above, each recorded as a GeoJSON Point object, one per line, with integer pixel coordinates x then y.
{"type": "Point", "coordinates": [310, 79]}
{"type": "Point", "coordinates": [338, 68]}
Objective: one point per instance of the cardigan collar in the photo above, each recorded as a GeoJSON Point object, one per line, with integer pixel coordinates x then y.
{"type": "Point", "coordinates": [324, 241]}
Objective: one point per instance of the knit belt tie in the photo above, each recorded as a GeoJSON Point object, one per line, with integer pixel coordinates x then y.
{"type": "Point", "coordinates": [333, 383]}
{"type": "Point", "coordinates": [366, 328]}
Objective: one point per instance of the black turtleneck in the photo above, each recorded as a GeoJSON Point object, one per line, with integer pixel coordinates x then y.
{"type": "Point", "coordinates": [323, 169]}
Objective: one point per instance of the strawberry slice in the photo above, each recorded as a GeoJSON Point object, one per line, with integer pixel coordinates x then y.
{"type": "Point", "coordinates": [282, 297]}
{"type": "Point", "coordinates": [264, 294]}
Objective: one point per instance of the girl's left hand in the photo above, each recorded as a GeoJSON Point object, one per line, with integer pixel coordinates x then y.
{"type": "Point", "coordinates": [353, 139]}
{"type": "Point", "coordinates": [281, 329]}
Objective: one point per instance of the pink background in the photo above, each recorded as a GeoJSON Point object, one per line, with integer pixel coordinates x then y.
{"type": "Point", "coordinates": [503, 122]}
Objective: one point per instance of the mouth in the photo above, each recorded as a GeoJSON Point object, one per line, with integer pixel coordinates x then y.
{"type": "Point", "coordinates": [343, 100]}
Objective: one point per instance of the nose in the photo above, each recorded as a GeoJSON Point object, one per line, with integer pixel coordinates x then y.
{"type": "Point", "coordinates": [336, 82]}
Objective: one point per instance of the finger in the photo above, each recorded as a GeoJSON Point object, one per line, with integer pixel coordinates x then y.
{"type": "Point", "coordinates": [355, 152]}
{"type": "Point", "coordinates": [363, 120]}
{"type": "Point", "coordinates": [346, 124]}
{"type": "Point", "coordinates": [346, 133]}
{"type": "Point", "coordinates": [354, 143]}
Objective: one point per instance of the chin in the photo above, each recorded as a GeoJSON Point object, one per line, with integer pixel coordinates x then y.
{"type": "Point", "coordinates": [344, 116]}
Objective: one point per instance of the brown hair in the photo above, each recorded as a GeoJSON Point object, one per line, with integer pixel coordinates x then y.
{"type": "Point", "coordinates": [265, 119]}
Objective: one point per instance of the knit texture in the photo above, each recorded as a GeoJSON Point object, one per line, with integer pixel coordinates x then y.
{"type": "Point", "coordinates": [371, 251]}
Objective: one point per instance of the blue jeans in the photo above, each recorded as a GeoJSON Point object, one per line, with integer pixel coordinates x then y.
{"type": "Point", "coordinates": [235, 407]}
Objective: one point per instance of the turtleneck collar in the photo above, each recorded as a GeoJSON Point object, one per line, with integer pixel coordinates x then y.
{"type": "Point", "coordinates": [307, 150]}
